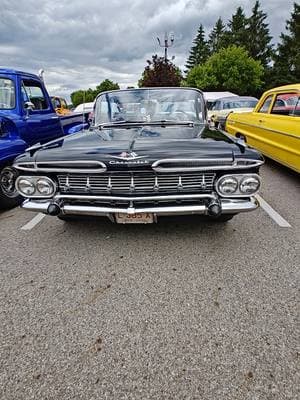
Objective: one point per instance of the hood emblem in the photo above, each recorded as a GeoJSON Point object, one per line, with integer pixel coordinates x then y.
{"type": "Point", "coordinates": [128, 156]}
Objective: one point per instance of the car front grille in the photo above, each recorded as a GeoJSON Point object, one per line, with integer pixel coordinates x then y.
{"type": "Point", "coordinates": [136, 183]}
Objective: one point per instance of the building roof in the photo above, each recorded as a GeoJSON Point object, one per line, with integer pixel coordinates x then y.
{"type": "Point", "coordinates": [211, 96]}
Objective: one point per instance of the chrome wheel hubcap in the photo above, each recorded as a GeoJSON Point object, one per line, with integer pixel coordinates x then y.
{"type": "Point", "coordinates": [7, 182]}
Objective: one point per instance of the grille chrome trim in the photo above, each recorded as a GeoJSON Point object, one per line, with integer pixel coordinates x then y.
{"type": "Point", "coordinates": [135, 198]}
{"type": "Point", "coordinates": [136, 183]}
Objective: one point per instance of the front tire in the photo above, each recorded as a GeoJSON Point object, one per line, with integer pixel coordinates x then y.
{"type": "Point", "coordinates": [9, 196]}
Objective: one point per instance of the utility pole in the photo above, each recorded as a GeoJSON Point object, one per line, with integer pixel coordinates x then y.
{"type": "Point", "coordinates": [168, 42]}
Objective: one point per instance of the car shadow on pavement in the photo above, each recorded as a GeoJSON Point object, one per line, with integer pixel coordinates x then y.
{"type": "Point", "coordinates": [165, 225]}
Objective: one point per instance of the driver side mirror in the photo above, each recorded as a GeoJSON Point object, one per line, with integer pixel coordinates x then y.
{"type": "Point", "coordinates": [28, 106]}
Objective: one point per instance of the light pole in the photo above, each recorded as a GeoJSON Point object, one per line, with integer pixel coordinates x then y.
{"type": "Point", "coordinates": [168, 42]}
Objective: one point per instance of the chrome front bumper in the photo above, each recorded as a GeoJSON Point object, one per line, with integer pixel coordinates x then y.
{"type": "Point", "coordinates": [229, 206]}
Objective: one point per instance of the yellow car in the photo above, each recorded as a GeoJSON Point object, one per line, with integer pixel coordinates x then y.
{"type": "Point", "coordinates": [273, 127]}
{"type": "Point", "coordinates": [60, 105]}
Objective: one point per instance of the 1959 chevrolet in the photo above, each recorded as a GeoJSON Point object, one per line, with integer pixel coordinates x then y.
{"type": "Point", "coordinates": [148, 153]}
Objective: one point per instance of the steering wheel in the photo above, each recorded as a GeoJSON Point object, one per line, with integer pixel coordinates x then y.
{"type": "Point", "coordinates": [4, 105]}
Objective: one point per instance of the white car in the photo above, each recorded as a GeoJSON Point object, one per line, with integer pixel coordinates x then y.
{"type": "Point", "coordinates": [84, 108]}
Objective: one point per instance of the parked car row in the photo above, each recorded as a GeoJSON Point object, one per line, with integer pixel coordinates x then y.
{"type": "Point", "coordinates": [148, 153]}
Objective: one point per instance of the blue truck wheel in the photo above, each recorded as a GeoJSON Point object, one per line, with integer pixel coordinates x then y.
{"type": "Point", "coordinates": [9, 197]}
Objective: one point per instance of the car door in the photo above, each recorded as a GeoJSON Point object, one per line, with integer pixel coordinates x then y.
{"type": "Point", "coordinates": [281, 129]}
{"type": "Point", "coordinates": [254, 123]}
{"type": "Point", "coordinates": [41, 122]}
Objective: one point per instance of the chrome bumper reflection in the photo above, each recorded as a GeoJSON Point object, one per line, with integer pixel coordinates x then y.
{"type": "Point", "coordinates": [229, 206]}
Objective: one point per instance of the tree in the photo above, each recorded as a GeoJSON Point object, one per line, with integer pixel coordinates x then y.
{"type": "Point", "coordinates": [89, 95]}
{"type": "Point", "coordinates": [105, 86]}
{"type": "Point", "coordinates": [216, 37]}
{"type": "Point", "coordinates": [82, 96]}
{"type": "Point", "coordinates": [258, 37]}
{"type": "Point", "coordinates": [199, 52]}
{"type": "Point", "coordinates": [160, 72]}
{"type": "Point", "coordinates": [237, 29]}
{"type": "Point", "coordinates": [229, 69]}
{"type": "Point", "coordinates": [287, 58]}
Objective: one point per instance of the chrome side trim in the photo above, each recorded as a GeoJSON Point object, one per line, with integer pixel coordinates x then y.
{"type": "Point", "coordinates": [36, 166]}
{"type": "Point", "coordinates": [234, 122]}
{"type": "Point", "coordinates": [236, 164]}
{"type": "Point", "coordinates": [229, 206]}
{"type": "Point", "coordinates": [178, 160]}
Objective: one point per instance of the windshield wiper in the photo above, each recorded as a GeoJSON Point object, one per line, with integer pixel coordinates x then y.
{"type": "Point", "coordinates": [163, 122]}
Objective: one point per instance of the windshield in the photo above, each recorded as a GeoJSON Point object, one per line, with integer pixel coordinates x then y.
{"type": "Point", "coordinates": [149, 105]}
{"type": "Point", "coordinates": [239, 104]}
{"type": "Point", "coordinates": [7, 94]}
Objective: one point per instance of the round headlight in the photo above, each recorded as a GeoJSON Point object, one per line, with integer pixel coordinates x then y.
{"type": "Point", "coordinates": [25, 187]}
{"type": "Point", "coordinates": [228, 185]}
{"type": "Point", "coordinates": [45, 187]}
{"type": "Point", "coordinates": [249, 185]}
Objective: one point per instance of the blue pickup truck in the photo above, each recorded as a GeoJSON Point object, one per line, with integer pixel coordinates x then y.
{"type": "Point", "coordinates": [27, 117]}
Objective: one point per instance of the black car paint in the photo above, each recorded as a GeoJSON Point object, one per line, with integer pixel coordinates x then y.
{"type": "Point", "coordinates": [148, 142]}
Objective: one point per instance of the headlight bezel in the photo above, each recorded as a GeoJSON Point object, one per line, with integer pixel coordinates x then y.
{"type": "Point", "coordinates": [240, 178]}
{"type": "Point", "coordinates": [34, 181]}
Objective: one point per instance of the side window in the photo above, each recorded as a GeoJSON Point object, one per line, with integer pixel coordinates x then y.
{"type": "Point", "coordinates": [32, 91]}
{"type": "Point", "coordinates": [286, 104]}
{"type": "Point", "coordinates": [296, 112]}
{"type": "Point", "coordinates": [7, 94]}
{"type": "Point", "coordinates": [213, 106]}
{"type": "Point", "coordinates": [266, 104]}
{"type": "Point", "coordinates": [55, 102]}
{"type": "Point", "coordinates": [63, 103]}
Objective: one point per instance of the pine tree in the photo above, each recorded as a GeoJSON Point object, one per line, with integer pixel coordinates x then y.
{"type": "Point", "coordinates": [216, 37]}
{"type": "Point", "coordinates": [258, 37]}
{"type": "Point", "coordinates": [199, 52]}
{"type": "Point", "coordinates": [287, 60]}
{"type": "Point", "coordinates": [237, 29]}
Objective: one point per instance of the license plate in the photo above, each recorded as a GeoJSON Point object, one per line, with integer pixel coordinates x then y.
{"type": "Point", "coordinates": [138, 218]}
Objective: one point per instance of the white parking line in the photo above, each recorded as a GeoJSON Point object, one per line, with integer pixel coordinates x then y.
{"type": "Point", "coordinates": [35, 220]}
{"type": "Point", "coordinates": [272, 213]}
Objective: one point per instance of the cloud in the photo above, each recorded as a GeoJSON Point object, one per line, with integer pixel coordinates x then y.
{"type": "Point", "coordinates": [80, 43]}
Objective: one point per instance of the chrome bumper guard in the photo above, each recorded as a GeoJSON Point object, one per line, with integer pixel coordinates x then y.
{"type": "Point", "coordinates": [229, 206]}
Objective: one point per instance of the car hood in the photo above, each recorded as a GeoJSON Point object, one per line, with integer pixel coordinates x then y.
{"type": "Point", "coordinates": [223, 113]}
{"type": "Point", "coordinates": [138, 147]}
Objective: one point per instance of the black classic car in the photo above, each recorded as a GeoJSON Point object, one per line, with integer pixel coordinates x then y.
{"type": "Point", "coordinates": [148, 153]}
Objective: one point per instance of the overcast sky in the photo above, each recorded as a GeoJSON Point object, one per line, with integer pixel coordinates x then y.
{"type": "Point", "coordinates": [79, 43]}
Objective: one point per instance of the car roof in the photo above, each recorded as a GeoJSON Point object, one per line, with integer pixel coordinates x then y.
{"type": "Point", "coordinates": [16, 72]}
{"type": "Point", "coordinates": [238, 98]}
{"type": "Point", "coordinates": [295, 86]}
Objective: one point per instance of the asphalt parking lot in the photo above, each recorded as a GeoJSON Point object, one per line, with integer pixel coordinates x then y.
{"type": "Point", "coordinates": [183, 309]}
